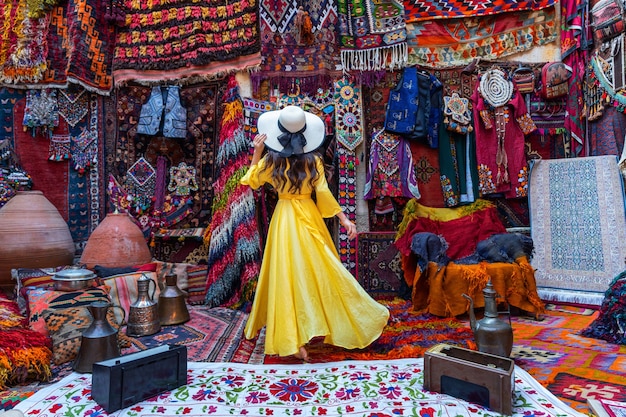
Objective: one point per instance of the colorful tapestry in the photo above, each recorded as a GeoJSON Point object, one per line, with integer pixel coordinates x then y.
{"type": "Point", "coordinates": [435, 9]}
{"type": "Point", "coordinates": [173, 40]}
{"type": "Point", "coordinates": [234, 259]}
{"type": "Point", "coordinates": [292, 51]}
{"type": "Point", "coordinates": [23, 44]}
{"type": "Point", "coordinates": [379, 269]}
{"type": "Point", "coordinates": [372, 35]}
{"type": "Point", "coordinates": [611, 320]}
{"type": "Point", "coordinates": [364, 388]}
{"type": "Point", "coordinates": [80, 46]}
{"type": "Point", "coordinates": [573, 366]}
{"type": "Point", "coordinates": [578, 225]}
{"type": "Point", "coordinates": [456, 42]}
{"type": "Point", "coordinates": [125, 146]}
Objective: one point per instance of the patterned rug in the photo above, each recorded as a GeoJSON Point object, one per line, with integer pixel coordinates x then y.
{"type": "Point", "coordinates": [378, 264]}
{"type": "Point", "coordinates": [456, 42]}
{"type": "Point", "coordinates": [578, 226]}
{"type": "Point", "coordinates": [370, 388]}
{"type": "Point", "coordinates": [416, 10]}
{"type": "Point", "coordinates": [572, 367]}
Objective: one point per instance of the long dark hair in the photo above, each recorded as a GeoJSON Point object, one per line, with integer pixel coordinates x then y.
{"type": "Point", "coordinates": [299, 168]}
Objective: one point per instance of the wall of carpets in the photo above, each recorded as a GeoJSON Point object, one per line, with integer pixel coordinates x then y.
{"type": "Point", "coordinates": [119, 105]}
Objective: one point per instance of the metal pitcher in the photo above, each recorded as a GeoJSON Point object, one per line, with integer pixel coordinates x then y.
{"type": "Point", "coordinates": [143, 315]}
{"type": "Point", "coordinates": [492, 334]}
{"type": "Point", "coordinates": [99, 340]}
{"type": "Point", "coordinates": [172, 303]}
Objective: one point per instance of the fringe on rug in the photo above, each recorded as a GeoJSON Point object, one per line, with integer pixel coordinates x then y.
{"type": "Point", "coordinates": [387, 58]}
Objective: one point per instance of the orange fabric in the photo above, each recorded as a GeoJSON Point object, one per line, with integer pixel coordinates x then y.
{"type": "Point", "coordinates": [439, 290]}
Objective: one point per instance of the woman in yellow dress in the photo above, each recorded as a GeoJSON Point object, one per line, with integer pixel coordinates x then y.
{"type": "Point", "coordinates": [304, 291]}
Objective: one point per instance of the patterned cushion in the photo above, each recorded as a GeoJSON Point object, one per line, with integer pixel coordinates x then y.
{"type": "Point", "coordinates": [178, 269]}
{"type": "Point", "coordinates": [66, 326]}
{"type": "Point", "coordinates": [41, 299]}
{"type": "Point", "coordinates": [123, 291]}
{"type": "Point", "coordinates": [31, 277]}
{"type": "Point", "coordinates": [196, 280]}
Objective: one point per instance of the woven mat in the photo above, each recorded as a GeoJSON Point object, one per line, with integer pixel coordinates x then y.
{"type": "Point", "coordinates": [578, 227]}
{"type": "Point", "coordinates": [378, 264]}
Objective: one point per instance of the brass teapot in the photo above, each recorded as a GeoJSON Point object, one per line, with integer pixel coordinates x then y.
{"type": "Point", "coordinates": [492, 334]}
{"type": "Point", "coordinates": [172, 303]}
{"type": "Point", "coordinates": [99, 341]}
{"type": "Point", "coordinates": [143, 315]}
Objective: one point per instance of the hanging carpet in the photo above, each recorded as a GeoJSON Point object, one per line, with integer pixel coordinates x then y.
{"type": "Point", "coordinates": [416, 10]}
{"type": "Point", "coordinates": [578, 226]}
{"type": "Point", "coordinates": [173, 40]}
{"type": "Point", "coordinates": [456, 42]}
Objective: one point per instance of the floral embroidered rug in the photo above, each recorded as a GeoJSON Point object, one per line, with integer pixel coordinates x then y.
{"type": "Point", "coordinates": [351, 388]}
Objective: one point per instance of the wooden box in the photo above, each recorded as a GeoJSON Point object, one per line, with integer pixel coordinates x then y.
{"type": "Point", "coordinates": [476, 377]}
{"type": "Point", "coordinates": [121, 382]}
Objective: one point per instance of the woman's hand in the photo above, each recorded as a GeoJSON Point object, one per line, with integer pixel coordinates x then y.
{"type": "Point", "coordinates": [349, 226]}
{"type": "Point", "coordinates": [259, 146]}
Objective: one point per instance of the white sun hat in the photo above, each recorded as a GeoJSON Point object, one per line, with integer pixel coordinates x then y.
{"type": "Point", "coordinates": [292, 131]}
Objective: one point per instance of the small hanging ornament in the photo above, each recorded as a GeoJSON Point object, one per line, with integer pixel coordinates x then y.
{"type": "Point", "coordinates": [140, 184]}
{"type": "Point", "coordinates": [182, 179]}
{"type": "Point", "coordinates": [85, 150]}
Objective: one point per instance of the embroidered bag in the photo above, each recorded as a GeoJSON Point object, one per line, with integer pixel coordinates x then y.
{"type": "Point", "coordinates": [524, 79]}
{"type": "Point", "coordinates": [554, 80]}
{"type": "Point", "coordinates": [608, 19]}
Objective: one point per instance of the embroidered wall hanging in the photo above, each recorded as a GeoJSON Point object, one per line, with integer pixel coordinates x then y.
{"type": "Point", "coordinates": [372, 35]}
{"type": "Point", "coordinates": [348, 122]}
{"type": "Point", "coordinates": [444, 43]}
{"type": "Point", "coordinates": [417, 10]}
{"type": "Point", "coordinates": [41, 113]}
{"type": "Point", "coordinates": [234, 259]}
{"type": "Point", "coordinates": [73, 104]}
{"type": "Point", "coordinates": [186, 39]}
{"type": "Point", "coordinates": [286, 56]}
{"type": "Point", "coordinates": [182, 180]}
{"type": "Point", "coordinates": [80, 46]}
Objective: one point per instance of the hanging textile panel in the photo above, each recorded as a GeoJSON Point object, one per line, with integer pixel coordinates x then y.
{"type": "Point", "coordinates": [578, 226]}
{"type": "Point", "coordinates": [174, 39]}
{"type": "Point", "coordinates": [372, 35]}
{"type": "Point", "coordinates": [456, 42]}
{"type": "Point", "coordinates": [417, 10]}
{"type": "Point", "coordinates": [80, 46]}
{"type": "Point", "coordinates": [299, 41]}
{"type": "Point", "coordinates": [125, 146]}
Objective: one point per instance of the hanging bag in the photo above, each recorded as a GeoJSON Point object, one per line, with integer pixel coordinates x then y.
{"type": "Point", "coordinates": [554, 80]}
{"type": "Point", "coordinates": [607, 19]}
{"type": "Point", "coordinates": [524, 79]}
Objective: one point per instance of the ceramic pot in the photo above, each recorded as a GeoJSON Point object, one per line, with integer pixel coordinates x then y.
{"type": "Point", "coordinates": [116, 242]}
{"type": "Point", "coordinates": [33, 234]}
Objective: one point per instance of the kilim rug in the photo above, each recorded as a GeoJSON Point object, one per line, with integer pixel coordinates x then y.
{"type": "Point", "coordinates": [431, 9]}
{"type": "Point", "coordinates": [174, 39]}
{"type": "Point", "coordinates": [378, 264]}
{"type": "Point", "coordinates": [572, 367]}
{"type": "Point", "coordinates": [578, 227]}
{"type": "Point", "coordinates": [456, 42]}
{"type": "Point", "coordinates": [353, 388]}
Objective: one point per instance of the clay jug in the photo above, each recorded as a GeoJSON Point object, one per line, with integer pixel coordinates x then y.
{"type": "Point", "coordinates": [33, 234]}
{"type": "Point", "coordinates": [143, 315]}
{"type": "Point", "coordinates": [116, 242]}
{"type": "Point", "coordinates": [172, 303]}
{"type": "Point", "coordinates": [99, 340]}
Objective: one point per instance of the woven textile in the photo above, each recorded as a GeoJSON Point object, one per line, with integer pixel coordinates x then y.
{"type": "Point", "coordinates": [379, 269]}
{"type": "Point", "coordinates": [80, 46]}
{"type": "Point", "coordinates": [455, 42]}
{"type": "Point", "coordinates": [234, 259]}
{"type": "Point", "coordinates": [416, 10]}
{"type": "Point", "coordinates": [177, 39]}
{"type": "Point", "coordinates": [372, 35]}
{"type": "Point", "coordinates": [364, 388]}
{"type": "Point", "coordinates": [286, 55]}
{"type": "Point", "coordinates": [578, 225]}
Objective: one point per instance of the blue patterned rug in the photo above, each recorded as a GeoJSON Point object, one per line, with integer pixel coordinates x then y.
{"type": "Point", "coordinates": [578, 225]}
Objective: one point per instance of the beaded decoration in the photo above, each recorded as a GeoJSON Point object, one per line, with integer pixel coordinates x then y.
{"type": "Point", "coordinates": [182, 179]}
{"type": "Point", "coordinates": [73, 105]}
{"type": "Point", "coordinates": [41, 113]}
{"type": "Point", "coordinates": [457, 116]}
{"type": "Point", "coordinates": [140, 184]}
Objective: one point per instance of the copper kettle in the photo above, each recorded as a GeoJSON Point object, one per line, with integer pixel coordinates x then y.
{"type": "Point", "coordinates": [492, 334]}
{"type": "Point", "coordinates": [99, 341]}
{"type": "Point", "coordinates": [172, 303]}
{"type": "Point", "coordinates": [143, 315]}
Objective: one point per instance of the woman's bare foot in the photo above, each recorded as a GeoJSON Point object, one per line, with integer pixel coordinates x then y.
{"type": "Point", "coordinates": [302, 354]}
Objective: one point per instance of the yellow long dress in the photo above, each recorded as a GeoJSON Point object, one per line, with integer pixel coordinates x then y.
{"type": "Point", "coordinates": [304, 291]}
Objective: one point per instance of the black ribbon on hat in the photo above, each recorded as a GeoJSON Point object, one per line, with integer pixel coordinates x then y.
{"type": "Point", "coordinates": [293, 142]}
